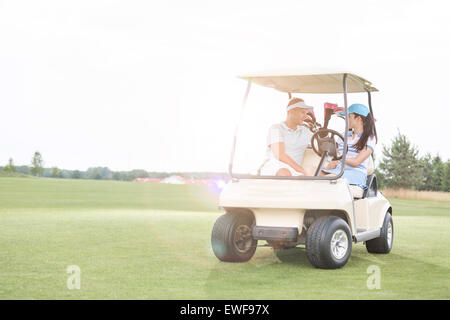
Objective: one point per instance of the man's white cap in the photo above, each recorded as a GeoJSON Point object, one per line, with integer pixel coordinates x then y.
{"type": "Point", "coordinates": [297, 103]}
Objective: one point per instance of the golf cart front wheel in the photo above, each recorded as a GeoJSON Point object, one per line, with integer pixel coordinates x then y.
{"type": "Point", "coordinates": [383, 244]}
{"type": "Point", "coordinates": [328, 243]}
{"type": "Point", "coordinates": [232, 239]}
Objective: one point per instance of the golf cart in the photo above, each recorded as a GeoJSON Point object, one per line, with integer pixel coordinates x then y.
{"type": "Point", "coordinates": [324, 213]}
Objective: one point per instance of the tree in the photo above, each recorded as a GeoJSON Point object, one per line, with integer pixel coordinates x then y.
{"type": "Point", "coordinates": [23, 169]}
{"type": "Point", "coordinates": [117, 176]}
{"type": "Point", "coordinates": [99, 173]}
{"type": "Point", "coordinates": [56, 173]}
{"type": "Point", "coordinates": [437, 177]}
{"type": "Point", "coordinates": [37, 163]}
{"type": "Point", "coordinates": [10, 166]}
{"type": "Point", "coordinates": [446, 182]}
{"type": "Point", "coordinates": [76, 174]}
{"type": "Point", "coordinates": [381, 183]}
{"type": "Point", "coordinates": [94, 173]}
{"type": "Point", "coordinates": [427, 172]}
{"type": "Point", "coordinates": [400, 166]}
{"type": "Point", "coordinates": [98, 176]}
{"type": "Point", "coordinates": [137, 173]}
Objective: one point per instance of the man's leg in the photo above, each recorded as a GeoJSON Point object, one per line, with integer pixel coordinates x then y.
{"type": "Point", "coordinates": [283, 172]}
{"type": "Point", "coordinates": [310, 170]}
{"type": "Point", "coordinates": [327, 174]}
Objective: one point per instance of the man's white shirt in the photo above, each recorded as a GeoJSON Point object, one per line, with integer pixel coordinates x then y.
{"type": "Point", "coordinates": [295, 141]}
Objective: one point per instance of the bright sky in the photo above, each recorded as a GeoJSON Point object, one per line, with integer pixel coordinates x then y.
{"type": "Point", "coordinates": [151, 85]}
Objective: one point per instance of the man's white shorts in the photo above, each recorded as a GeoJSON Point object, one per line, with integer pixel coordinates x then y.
{"type": "Point", "coordinates": [271, 167]}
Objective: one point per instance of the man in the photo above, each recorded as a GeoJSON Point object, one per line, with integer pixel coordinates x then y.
{"type": "Point", "coordinates": [287, 142]}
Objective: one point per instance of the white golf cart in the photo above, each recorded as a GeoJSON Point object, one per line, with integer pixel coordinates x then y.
{"type": "Point", "coordinates": [324, 213]}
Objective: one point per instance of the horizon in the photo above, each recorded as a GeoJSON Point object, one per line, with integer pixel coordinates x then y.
{"type": "Point", "coordinates": [421, 154]}
{"type": "Point", "coordinates": [152, 85]}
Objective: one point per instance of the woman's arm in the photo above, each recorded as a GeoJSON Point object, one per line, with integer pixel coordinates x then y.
{"type": "Point", "coordinates": [332, 165]}
{"type": "Point", "coordinates": [362, 156]}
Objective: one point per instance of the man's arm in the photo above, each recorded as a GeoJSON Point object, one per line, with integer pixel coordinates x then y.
{"type": "Point", "coordinates": [278, 151]}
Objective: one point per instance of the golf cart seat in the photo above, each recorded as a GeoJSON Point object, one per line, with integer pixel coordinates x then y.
{"type": "Point", "coordinates": [310, 158]}
{"type": "Point", "coordinates": [370, 166]}
{"type": "Point", "coordinates": [358, 192]}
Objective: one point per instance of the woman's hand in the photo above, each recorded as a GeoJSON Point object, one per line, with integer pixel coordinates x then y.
{"type": "Point", "coordinates": [332, 165]}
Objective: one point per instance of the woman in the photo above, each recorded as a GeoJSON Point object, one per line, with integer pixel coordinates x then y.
{"type": "Point", "coordinates": [361, 144]}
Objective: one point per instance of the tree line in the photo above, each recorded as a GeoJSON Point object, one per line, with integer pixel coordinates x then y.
{"type": "Point", "coordinates": [98, 173]}
{"type": "Point", "coordinates": [400, 167]}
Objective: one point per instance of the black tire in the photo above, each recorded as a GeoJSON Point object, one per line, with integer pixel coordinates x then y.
{"type": "Point", "coordinates": [318, 243]}
{"type": "Point", "coordinates": [232, 239]}
{"type": "Point", "coordinates": [382, 243]}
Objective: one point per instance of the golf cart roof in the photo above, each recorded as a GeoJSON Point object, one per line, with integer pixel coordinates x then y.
{"type": "Point", "coordinates": [310, 82]}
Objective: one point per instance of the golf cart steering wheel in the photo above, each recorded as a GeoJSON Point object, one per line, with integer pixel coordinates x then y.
{"type": "Point", "coordinates": [326, 143]}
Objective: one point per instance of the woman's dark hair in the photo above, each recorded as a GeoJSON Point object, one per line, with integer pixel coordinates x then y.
{"type": "Point", "coordinates": [368, 131]}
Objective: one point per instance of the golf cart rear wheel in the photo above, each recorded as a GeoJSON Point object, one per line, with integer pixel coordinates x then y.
{"type": "Point", "coordinates": [232, 239]}
{"type": "Point", "coordinates": [328, 243]}
{"type": "Point", "coordinates": [383, 244]}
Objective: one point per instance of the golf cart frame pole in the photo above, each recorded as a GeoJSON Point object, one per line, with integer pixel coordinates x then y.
{"type": "Point", "coordinates": [344, 151]}
{"type": "Point", "coordinates": [369, 98]}
{"type": "Point", "coordinates": [233, 149]}
{"type": "Point", "coordinates": [328, 177]}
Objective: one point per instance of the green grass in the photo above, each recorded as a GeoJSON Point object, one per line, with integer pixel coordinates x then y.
{"type": "Point", "coordinates": [14, 174]}
{"type": "Point", "coordinates": [152, 241]}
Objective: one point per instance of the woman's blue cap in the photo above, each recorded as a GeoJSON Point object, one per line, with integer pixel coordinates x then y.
{"type": "Point", "coordinates": [358, 109]}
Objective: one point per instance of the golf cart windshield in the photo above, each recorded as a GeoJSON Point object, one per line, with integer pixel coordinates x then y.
{"type": "Point", "coordinates": [305, 83]}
